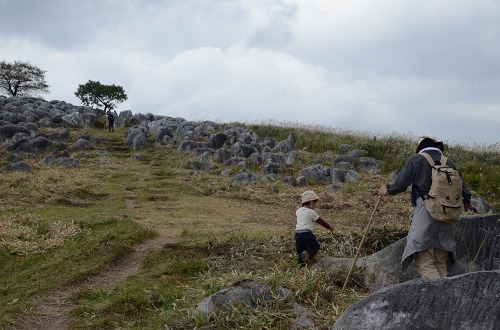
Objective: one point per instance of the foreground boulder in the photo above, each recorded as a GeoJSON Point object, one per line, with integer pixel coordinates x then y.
{"type": "Point", "coordinates": [468, 301]}
{"type": "Point", "coordinates": [18, 167]}
{"type": "Point", "coordinates": [251, 293]}
{"type": "Point", "coordinates": [246, 292]}
{"type": "Point", "coordinates": [478, 242]}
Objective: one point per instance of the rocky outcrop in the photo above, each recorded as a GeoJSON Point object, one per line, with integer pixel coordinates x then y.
{"type": "Point", "coordinates": [252, 159]}
{"type": "Point", "coordinates": [229, 146]}
{"type": "Point", "coordinates": [478, 249]}
{"type": "Point", "coordinates": [468, 301]}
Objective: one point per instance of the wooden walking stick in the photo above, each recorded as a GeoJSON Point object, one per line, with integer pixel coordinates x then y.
{"type": "Point", "coordinates": [361, 243]}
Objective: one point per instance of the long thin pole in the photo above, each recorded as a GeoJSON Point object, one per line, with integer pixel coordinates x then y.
{"type": "Point", "coordinates": [361, 243]}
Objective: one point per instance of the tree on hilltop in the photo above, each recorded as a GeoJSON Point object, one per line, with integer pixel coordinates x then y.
{"type": "Point", "coordinates": [99, 95]}
{"type": "Point", "coordinates": [22, 79]}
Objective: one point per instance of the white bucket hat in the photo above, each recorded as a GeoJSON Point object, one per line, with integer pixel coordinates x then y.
{"type": "Point", "coordinates": [308, 196]}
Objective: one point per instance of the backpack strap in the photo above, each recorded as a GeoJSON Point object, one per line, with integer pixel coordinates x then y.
{"type": "Point", "coordinates": [431, 161]}
{"type": "Point", "coordinates": [429, 158]}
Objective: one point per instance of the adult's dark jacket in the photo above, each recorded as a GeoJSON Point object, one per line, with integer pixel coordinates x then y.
{"type": "Point", "coordinates": [425, 232]}
{"type": "Point", "coordinates": [417, 172]}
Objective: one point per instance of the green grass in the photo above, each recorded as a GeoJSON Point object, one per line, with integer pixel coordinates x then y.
{"type": "Point", "coordinates": [156, 289]}
{"type": "Point", "coordinates": [177, 278]}
{"type": "Point", "coordinates": [59, 226]}
{"type": "Point", "coordinates": [99, 241]}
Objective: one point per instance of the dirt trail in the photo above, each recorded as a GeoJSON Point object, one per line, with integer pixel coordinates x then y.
{"type": "Point", "coordinates": [52, 312]}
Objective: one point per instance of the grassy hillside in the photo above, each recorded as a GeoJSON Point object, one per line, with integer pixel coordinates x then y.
{"type": "Point", "coordinates": [60, 229]}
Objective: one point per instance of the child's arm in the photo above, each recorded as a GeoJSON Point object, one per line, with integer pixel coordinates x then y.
{"type": "Point", "coordinates": [324, 224]}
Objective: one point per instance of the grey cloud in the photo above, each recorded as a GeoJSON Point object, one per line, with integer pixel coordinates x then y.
{"type": "Point", "coordinates": [278, 31]}
{"type": "Point", "coordinates": [380, 66]}
{"type": "Point", "coordinates": [57, 23]}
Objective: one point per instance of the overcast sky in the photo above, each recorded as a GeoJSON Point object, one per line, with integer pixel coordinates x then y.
{"type": "Point", "coordinates": [379, 67]}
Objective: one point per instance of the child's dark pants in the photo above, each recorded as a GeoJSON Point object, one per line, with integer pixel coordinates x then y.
{"type": "Point", "coordinates": [306, 241]}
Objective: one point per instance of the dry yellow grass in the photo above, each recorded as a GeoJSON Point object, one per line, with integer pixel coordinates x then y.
{"type": "Point", "coordinates": [243, 210]}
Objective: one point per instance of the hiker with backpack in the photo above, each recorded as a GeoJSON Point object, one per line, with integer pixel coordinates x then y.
{"type": "Point", "coordinates": [111, 121]}
{"type": "Point", "coordinates": [438, 196]}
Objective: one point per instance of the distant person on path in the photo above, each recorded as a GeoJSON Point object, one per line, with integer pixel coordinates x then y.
{"type": "Point", "coordinates": [111, 121]}
{"type": "Point", "coordinates": [429, 242]}
{"type": "Point", "coordinates": [305, 242]}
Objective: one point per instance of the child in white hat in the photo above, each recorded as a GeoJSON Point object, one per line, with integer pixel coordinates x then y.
{"type": "Point", "coordinates": [305, 242]}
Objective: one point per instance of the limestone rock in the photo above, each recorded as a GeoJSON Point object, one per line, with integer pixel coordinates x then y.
{"type": "Point", "coordinates": [469, 301]}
